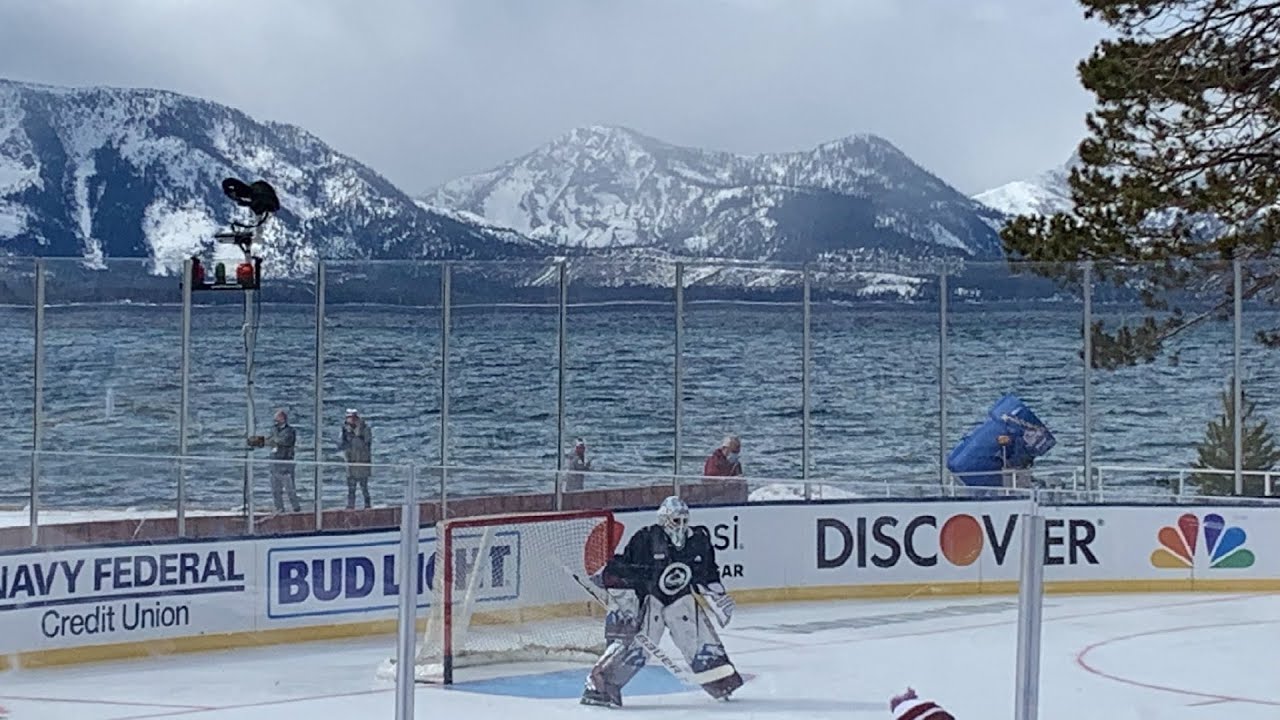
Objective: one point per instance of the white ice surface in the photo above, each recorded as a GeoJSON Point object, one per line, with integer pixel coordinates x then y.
{"type": "Point", "coordinates": [1152, 657]}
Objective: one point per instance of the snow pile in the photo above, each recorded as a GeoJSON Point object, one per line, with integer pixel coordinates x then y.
{"type": "Point", "coordinates": [21, 517]}
{"type": "Point", "coordinates": [795, 492]}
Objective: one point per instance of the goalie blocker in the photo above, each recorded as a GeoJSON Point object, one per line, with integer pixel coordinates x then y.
{"type": "Point", "coordinates": [666, 579]}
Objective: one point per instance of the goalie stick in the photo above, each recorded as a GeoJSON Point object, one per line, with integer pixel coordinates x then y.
{"type": "Point", "coordinates": [686, 676]}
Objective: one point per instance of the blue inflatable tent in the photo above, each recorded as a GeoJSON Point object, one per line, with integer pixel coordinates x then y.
{"type": "Point", "coordinates": [979, 457]}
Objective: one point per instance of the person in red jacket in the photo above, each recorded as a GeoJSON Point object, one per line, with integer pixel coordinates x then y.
{"type": "Point", "coordinates": [723, 462]}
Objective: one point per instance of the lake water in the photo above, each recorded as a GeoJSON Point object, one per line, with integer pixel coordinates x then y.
{"type": "Point", "coordinates": [112, 386]}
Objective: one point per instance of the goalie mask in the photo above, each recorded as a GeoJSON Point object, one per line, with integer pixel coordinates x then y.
{"type": "Point", "coordinates": [673, 516]}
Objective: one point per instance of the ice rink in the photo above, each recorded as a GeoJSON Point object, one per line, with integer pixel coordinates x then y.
{"type": "Point", "coordinates": [1105, 657]}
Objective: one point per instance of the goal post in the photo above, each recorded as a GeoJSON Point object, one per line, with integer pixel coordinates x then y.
{"type": "Point", "coordinates": [500, 591]}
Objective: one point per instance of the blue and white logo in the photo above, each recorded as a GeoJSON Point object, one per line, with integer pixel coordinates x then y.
{"type": "Point", "coordinates": [675, 577]}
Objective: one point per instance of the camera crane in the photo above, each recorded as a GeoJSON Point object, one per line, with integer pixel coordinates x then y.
{"type": "Point", "coordinates": [262, 202]}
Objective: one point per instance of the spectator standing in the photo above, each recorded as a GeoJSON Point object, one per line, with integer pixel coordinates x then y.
{"type": "Point", "coordinates": [357, 447]}
{"type": "Point", "coordinates": [723, 461]}
{"type": "Point", "coordinates": [283, 440]}
{"type": "Point", "coordinates": [577, 465]}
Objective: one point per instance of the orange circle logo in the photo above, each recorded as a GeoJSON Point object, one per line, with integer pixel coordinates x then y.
{"type": "Point", "coordinates": [961, 540]}
{"type": "Point", "coordinates": [601, 541]}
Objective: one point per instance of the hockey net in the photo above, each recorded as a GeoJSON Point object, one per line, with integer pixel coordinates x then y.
{"type": "Point", "coordinates": [501, 591]}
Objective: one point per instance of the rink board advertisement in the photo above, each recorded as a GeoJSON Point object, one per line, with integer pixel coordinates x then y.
{"type": "Point", "coordinates": [333, 577]}
{"type": "Point", "coordinates": [315, 580]}
{"type": "Point", "coordinates": [887, 548]}
{"type": "Point", "coordinates": [248, 591]}
{"type": "Point", "coordinates": [126, 594]}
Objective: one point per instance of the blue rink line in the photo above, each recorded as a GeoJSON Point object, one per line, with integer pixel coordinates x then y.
{"type": "Point", "coordinates": [567, 684]}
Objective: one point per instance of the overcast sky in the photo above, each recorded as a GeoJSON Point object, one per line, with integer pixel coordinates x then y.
{"type": "Point", "coordinates": [978, 91]}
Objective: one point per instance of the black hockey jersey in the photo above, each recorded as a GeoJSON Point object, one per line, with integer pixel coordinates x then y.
{"type": "Point", "coordinates": [651, 565]}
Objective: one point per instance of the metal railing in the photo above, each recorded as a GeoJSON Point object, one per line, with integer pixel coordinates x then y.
{"type": "Point", "coordinates": [810, 283]}
{"type": "Point", "coordinates": [1139, 481]}
{"type": "Point", "coordinates": [432, 483]}
{"type": "Point", "coordinates": [1177, 477]}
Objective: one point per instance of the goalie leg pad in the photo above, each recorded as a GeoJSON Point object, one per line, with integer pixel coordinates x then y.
{"type": "Point", "coordinates": [625, 657]}
{"type": "Point", "coordinates": [622, 623]}
{"type": "Point", "coordinates": [709, 657]}
{"type": "Point", "coordinates": [694, 634]}
{"type": "Point", "coordinates": [630, 664]}
{"type": "Point", "coordinates": [601, 688]}
{"type": "Point", "coordinates": [618, 665]}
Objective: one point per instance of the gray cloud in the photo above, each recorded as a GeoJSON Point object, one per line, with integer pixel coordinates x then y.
{"type": "Point", "coordinates": [980, 91]}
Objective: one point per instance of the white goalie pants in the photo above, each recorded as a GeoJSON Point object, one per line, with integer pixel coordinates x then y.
{"type": "Point", "coordinates": [691, 629]}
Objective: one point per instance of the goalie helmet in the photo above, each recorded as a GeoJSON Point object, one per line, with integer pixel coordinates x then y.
{"type": "Point", "coordinates": [673, 516]}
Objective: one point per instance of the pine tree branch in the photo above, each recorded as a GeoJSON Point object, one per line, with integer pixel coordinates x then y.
{"type": "Point", "coordinates": [1182, 166]}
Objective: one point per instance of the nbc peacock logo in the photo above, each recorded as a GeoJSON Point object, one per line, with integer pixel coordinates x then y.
{"type": "Point", "coordinates": [1223, 545]}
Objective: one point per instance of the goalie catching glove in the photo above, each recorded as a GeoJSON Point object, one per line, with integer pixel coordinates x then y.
{"type": "Point", "coordinates": [718, 602]}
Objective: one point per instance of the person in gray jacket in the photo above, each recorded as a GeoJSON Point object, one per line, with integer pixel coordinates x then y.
{"type": "Point", "coordinates": [283, 439]}
{"type": "Point", "coordinates": [357, 446]}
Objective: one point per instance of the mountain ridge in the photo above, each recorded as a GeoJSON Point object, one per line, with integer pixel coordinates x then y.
{"type": "Point", "coordinates": [1046, 193]}
{"type": "Point", "coordinates": [119, 172]}
{"type": "Point", "coordinates": [612, 186]}
{"type": "Point", "coordinates": [99, 173]}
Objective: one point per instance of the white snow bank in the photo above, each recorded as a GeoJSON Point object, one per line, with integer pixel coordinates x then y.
{"type": "Point", "coordinates": [795, 491]}
{"type": "Point", "coordinates": [20, 517]}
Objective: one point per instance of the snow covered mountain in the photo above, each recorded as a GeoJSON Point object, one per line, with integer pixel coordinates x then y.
{"type": "Point", "coordinates": [1045, 194]}
{"type": "Point", "coordinates": [1050, 192]}
{"type": "Point", "coordinates": [611, 187]}
{"type": "Point", "coordinates": [103, 173]}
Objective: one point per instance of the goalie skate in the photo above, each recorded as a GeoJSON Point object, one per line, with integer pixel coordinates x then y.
{"type": "Point", "coordinates": [607, 696]}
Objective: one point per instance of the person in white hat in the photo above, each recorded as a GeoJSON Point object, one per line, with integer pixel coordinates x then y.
{"type": "Point", "coordinates": [909, 706]}
{"type": "Point", "coordinates": [577, 465]}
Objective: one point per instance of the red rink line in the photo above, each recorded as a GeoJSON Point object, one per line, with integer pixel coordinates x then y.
{"type": "Point", "coordinates": [1208, 697]}
{"type": "Point", "coordinates": [268, 703]}
{"type": "Point", "coordinates": [191, 710]}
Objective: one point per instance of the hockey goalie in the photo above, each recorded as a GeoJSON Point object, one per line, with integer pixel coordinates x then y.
{"type": "Point", "coordinates": [666, 579]}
